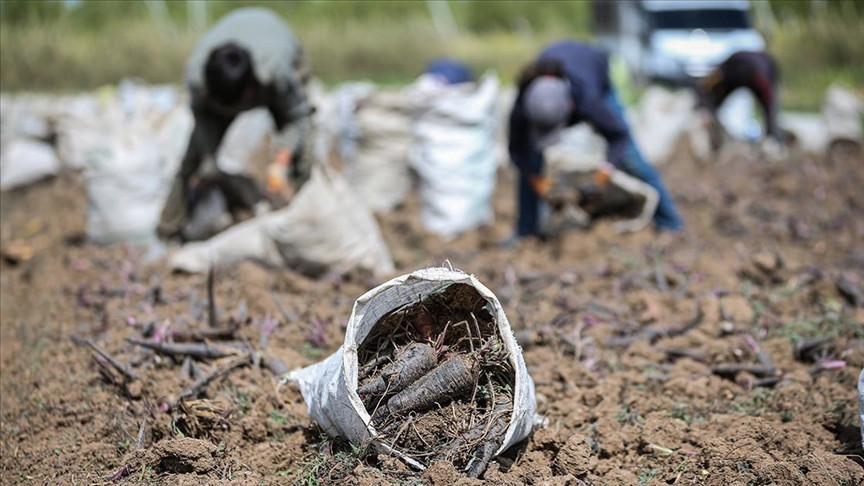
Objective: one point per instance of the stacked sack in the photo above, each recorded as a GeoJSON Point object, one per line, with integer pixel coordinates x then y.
{"type": "Point", "coordinates": [455, 152]}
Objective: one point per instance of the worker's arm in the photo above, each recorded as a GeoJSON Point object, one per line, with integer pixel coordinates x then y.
{"type": "Point", "coordinates": [291, 113]}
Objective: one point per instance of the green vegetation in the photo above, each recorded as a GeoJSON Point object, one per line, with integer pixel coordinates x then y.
{"type": "Point", "coordinates": [628, 416]}
{"type": "Point", "coordinates": [334, 461]}
{"type": "Point", "coordinates": [646, 476]}
{"type": "Point", "coordinates": [49, 45]}
{"type": "Point", "coordinates": [688, 414]}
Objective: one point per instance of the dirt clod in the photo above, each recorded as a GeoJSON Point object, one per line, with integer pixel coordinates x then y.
{"type": "Point", "coordinates": [184, 455]}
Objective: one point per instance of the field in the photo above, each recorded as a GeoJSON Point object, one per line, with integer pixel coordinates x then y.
{"type": "Point", "coordinates": [658, 359]}
{"type": "Point", "coordinates": [724, 355]}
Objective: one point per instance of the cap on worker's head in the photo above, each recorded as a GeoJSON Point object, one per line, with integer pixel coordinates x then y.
{"type": "Point", "coordinates": [228, 72]}
{"type": "Point", "coordinates": [547, 106]}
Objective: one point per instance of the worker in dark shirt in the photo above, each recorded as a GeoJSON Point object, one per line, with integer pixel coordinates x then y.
{"type": "Point", "coordinates": [756, 71]}
{"type": "Point", "coordinates": [249, 59]}
{"type": "Point", "coordinates": [569, 84]}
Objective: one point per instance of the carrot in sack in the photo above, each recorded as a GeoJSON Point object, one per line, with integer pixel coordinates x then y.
{"type": "Point", "coordinates": [412, 362]}
{"type": "Point", "coordinates": [450, 380]}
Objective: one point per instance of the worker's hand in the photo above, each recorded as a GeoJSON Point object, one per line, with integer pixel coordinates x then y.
{"type": "Point", "coordinates": [283, 158]}
{"type": "Point", "coordinates": [603, 175]}
{"type": "Point", "coordinates": [277, 172]}
{"type": "Point", "coordinates": [541, 185]}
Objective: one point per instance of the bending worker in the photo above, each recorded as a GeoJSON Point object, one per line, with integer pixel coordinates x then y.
{"type": "Point", "coordinates": [756, 71]}
{"type": "Point", "coordinates": [249, 59]}
{"type": "Point", "coordinates": [568, 84]}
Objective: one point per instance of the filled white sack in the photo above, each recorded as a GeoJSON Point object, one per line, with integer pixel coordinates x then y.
{"type": "Point", "coordinates": [579, 150]}
{"type": "Point", "coordinates": [861, 404]}
{"type": "Point", "coordinates": [378, 167]}
{"type": "Point", "coordinates": [128, 174]}
{"type": "Point", "coordinates": [324, 228]}
{"type": "Point", "coordinates": [842, 110]}
{"type": "Point", "coordinates": [329, 387]}
{"type": "Point", "coordinates": [737, 114]}
{"type": "Point", "coordinates": [809, 129]}
{"type": "Point", "coordinates": [126, 188]}
{"type": "Point", "coordinates": [336, 126]}
{"type": "Point", "coordinates": [245, 148]}
{"type": "Point", "coordinates": [454, 153]}
{"type": "Point", "coordinates": [660, 120]}
{"type": "Point", "coordinates": [25, 161]}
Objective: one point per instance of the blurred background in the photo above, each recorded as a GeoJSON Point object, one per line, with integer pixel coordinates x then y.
{"type": "Point", "coordinates": [75, 45]}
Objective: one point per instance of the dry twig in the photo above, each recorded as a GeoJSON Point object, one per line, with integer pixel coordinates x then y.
{"type": "Point", "coordinates": [123, 369]}
{"type": "Point", "coordinates": [194, 350]}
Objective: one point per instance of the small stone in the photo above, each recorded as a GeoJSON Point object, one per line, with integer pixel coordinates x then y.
{"type": "Point", "coordinates": [738, 309]}
{"type": "Point", "coordinates": [768, 262]}
{"type": "Point", "coordinates": [134, 389]}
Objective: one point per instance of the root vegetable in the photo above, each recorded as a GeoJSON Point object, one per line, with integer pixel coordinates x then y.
{"type": "Point", "coordinates": [366, 370]}
{"type": "Point", "coordinates": [414, 361]}
{"type": "Point", "coordinates": [450, 380]}
{"type": "Point", "coordinates": [482, 455]}
{"type": "Point", "coordinates": [497, 425]}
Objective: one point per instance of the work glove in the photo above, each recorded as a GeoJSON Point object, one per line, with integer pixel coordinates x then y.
{"type": "Point", "coordinates": [541, 185]}
{"type": "Point", "coordinates": [603, 175]}
{"type": "Point", "coordinates": [277, 172]}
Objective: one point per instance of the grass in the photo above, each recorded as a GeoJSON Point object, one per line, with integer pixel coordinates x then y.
{"type": "Point", "coordinates": [688, 414]}
{"type": "Point", "coordinates": [645, 477]}
{"type": "Point", "coordinates": [329, 468]}
{"type": "Point", "coordinates": [754, 403]}
{"type": "Point", "coordinates": [833, 321]}
{"type": "Point", "coordinates": [629, 417]}
{"type": "Point", "coordinates": [815, 51]}
{"type": "Point", "coordinates": [44, 46]}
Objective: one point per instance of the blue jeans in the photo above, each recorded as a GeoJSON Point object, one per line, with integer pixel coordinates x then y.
{"type": "Point", "coordinates": [665, 217]}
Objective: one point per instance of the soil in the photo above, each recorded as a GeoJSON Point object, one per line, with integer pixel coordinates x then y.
{"type": "Point", "coordinates": [622, 335]}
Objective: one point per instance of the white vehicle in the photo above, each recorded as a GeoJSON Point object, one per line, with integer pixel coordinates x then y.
{"type": "Point", "coordinates": [673, 41]}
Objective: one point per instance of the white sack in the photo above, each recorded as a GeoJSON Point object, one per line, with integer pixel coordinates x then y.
{"type": "Point", "coordinates": [329, 387]}
{"type": "Point", "coordinates": [737, 115]}
{"type": "Point", "coordinates": [246, 140]}
{"type": "Point", "coordinates": [660, 120]}
{"type": "Point", "coordinates": [378, 170]}
{"type": "Point", "coordinates": [454, 153]}
{"type": "Point", "coordinates": [90, 127]}
{"type": "Point", "coordinates": [506, 98]}
{"type": "Point", "coordinates": [337, 128]}
{"type": "Point", "coordinates": [810, 132]}
{"type": "Point", "coordinates": [861, 404]}
{"type": "Point", "coordinates": [579, 150]}
{"type": "Point", "coordinates": [842, 110]}
{"type": "Point", "coordinates": [126, 189]}
{"type": "Point", "coordinates": [324, 227]}
{"type": "Point", "coordinates": [24, 161]}
{"type": "Point", "coordinates": [130, 162]}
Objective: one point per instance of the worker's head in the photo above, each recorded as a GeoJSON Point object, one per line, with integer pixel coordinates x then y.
{"type": "Point", "coordinates": [548, 107]}
{"type": "Point", "coordinates": [229, 73]}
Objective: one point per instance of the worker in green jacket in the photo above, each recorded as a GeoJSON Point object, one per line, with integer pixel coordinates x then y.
{"type": "Point", "coordinates": [250, 59]}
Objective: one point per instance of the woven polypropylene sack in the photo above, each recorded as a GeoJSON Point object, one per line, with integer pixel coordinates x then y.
{"type": "Point", "coordinates": [329, 387]}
